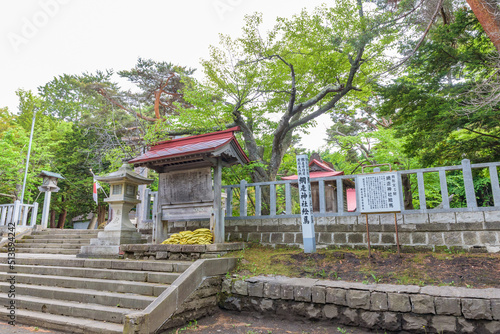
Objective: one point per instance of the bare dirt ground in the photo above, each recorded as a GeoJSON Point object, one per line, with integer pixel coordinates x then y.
{"type": "Point", "coordinates": [243, 323]}
{"type": "Point", "coordinates": [5, 328]}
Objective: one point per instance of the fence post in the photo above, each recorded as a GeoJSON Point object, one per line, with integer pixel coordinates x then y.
{"type": "Point", "coordinates": [340, 197]}
{"type": "Point", "coordinates": [23, 215]}
{"type": "Point", "coordinates": [288, 198]}
{"type": "Point", "coordinates": [272, 190]}
{"type": "Point", "coordinates": [229, 202]}
{"type": "Point", "coordinates": [321, 191]}
{"type": "Point", "coordinates": [243, 198]}
{"type": "Point", "coordinates": [258, 201]}
{"type": "Point", "coordinates": [421, 191]}
{"type": "Point", "coordinates": [34, 213]}
{"type": "Point", "coordinates": [470, 194]}
{"type": "Point", "coordinates": [146, 205]}
{"type": "Point", "coordinates": [3, 217]}
{"type": "Point", "coordinates": [494, 185]}
{"type": "Point", "coordinates": [444, 189]}
{"type": "Point", "coordinates": [15, 214]}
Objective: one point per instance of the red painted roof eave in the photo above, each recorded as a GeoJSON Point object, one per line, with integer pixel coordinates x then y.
{"type": "Point", "coordinates": [233, 129]}
{"type": "Point", "coordinates": [232, 138]}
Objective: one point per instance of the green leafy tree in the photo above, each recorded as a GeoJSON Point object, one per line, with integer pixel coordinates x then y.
{"type": "Point", "coordinates": [275, 85]}
{"type": "Point", "coordinates": [433, 104]}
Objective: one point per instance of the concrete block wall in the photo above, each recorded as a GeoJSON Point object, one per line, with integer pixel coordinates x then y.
{"type": "Point", "coordinates": [467, 230]}
{"type": "Point", "coordinates": [377, 307]}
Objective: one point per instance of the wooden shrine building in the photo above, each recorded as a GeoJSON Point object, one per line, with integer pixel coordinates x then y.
{"type": "Point", "coordinates": [186, 190]}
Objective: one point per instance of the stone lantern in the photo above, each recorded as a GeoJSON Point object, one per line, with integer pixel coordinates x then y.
{"type": "Point", "coordinates": [49, 185]}
{"type": "Point", "coordinates": [120, 230]}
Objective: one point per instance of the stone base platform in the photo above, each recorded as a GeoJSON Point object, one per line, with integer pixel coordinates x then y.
{"type": "Point", "coordinates": [178, 252]}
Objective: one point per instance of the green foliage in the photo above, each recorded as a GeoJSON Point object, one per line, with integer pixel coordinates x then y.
{"type": "Point", "coordinates": [432, 103]}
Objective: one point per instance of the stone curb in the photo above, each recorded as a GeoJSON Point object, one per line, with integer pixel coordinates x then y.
{"type": "Point", "coordinates": [445, 309]}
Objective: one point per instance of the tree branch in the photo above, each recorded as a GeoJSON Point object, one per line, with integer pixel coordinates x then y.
{"type": "Point", "coordinates": [480, 133]}
{"type": "Point", "coordinates": [436, 12]}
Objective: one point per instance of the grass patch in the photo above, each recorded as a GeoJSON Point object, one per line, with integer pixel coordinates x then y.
{"type": "Point", "coordinates": [446, 267]}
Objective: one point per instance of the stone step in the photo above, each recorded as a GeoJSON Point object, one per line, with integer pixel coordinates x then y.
{"type": "Point", "coordinates": [54, 231]}
{"type": "Point", "coordinates": [62, 323]}
{"type": "Point", "coordinates": [45, 251]}
{"type": "Point", "coordinates": [87, 296]}
{"type": "Point", "coordinates": [114, 274]}
{"type": "Point", "coordinates": [61, 236]}
{"type": "Point", "coordinates": [53, 241]}
{"type": "Point", "coordinates": [69, 308]}
{"type": "Point", "coordinates": [119, 286]}
{"type": "Point", "coordinates": [50, 245]}
{"type": "Point", "coordinates": [157, 265]}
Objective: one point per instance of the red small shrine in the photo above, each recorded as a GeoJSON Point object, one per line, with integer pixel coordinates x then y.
{"type": "Point", "coordinates": [320, 169]}
{"type": "Point", "coordinates": [186, 190]}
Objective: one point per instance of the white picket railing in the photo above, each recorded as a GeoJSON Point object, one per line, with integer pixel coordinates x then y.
{"type": "Point", "coordinates": [243, 190]}
{"type": "Point", "coordinates": [17, 214]}
{"type": "Point", "coordinates": [257, 189]}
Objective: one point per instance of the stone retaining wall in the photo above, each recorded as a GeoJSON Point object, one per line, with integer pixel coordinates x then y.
{"type": "Point", "coordinates": [382, 307]}
{"type": "Point", "coordinates": [202, 302]}
{"type": "Point", "coordinates": [178, 252]}
{"type": "Point", "coordinates": [468, 230]}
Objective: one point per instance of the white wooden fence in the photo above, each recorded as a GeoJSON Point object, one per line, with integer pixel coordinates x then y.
{"type": "Point", "coordinates": [17, 214]}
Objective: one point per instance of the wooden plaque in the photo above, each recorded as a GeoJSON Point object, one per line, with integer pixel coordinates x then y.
{"type": "Point", "coordinates": [190, 186]}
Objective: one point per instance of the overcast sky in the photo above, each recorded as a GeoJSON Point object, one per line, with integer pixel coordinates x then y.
{"type": "Point", "coordinates": [41, 39]}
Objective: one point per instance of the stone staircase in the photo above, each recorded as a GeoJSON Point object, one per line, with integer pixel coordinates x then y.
{"type": "Point", "coordinates": [75, 295]}
{"type": "Point", "coordinates": [55, 241]}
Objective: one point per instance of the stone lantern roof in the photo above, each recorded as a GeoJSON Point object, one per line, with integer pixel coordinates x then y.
{"type": "Point", "coordinates": [44, 173]}
{"type": "Point", "coordinates": [124, 173]}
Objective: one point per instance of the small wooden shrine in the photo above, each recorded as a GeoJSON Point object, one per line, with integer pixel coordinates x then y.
{"type": "Point", "coordinates": [319, 169]}
{"type": "Point", "coordinates": [186, 190]}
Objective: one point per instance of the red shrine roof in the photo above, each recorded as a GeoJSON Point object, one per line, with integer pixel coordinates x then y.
{"type": "Point", "coordinates": [186, 146]}
{"type": "Point", "coordinates": [325, 171]}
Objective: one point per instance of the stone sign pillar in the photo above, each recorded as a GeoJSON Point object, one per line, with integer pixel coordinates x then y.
{"type": "Point", "coordinates": [120, 230]}
{"type": "Point", "coordinates": [48, 186]}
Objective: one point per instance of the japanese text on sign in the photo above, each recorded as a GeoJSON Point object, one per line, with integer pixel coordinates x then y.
{"type": "Point", "coordinates": [378, 193]}
{"type": "Point", "coordinates": [304, 185]}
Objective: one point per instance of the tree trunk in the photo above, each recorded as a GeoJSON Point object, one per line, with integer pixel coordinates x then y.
{"type": "Point", "coordinates": [62, 219]}
{"type": "Point", "coordinates": [93, 222]}
{"type": "Point", "coordinates": [52, 219]}
{"type": "Point", "coordinates": [101, 214]}
{"type": "Point", "coordinates": [488, 14]}
{"type": "Point", "coordinates": [407, 194]}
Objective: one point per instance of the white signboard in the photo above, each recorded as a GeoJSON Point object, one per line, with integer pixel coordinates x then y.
{"type": "Point", "coordinates": [378, 193]}
{"type": "Point", "coordinates": [306, 208]}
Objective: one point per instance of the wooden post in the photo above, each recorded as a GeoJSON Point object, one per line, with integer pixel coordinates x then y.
{"type": "Point", "coordinates": [368, 237]}
{"type": "Point", "coordinates": [397, 235]}
{"type": "Point", "coordinates": [218, 211]}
